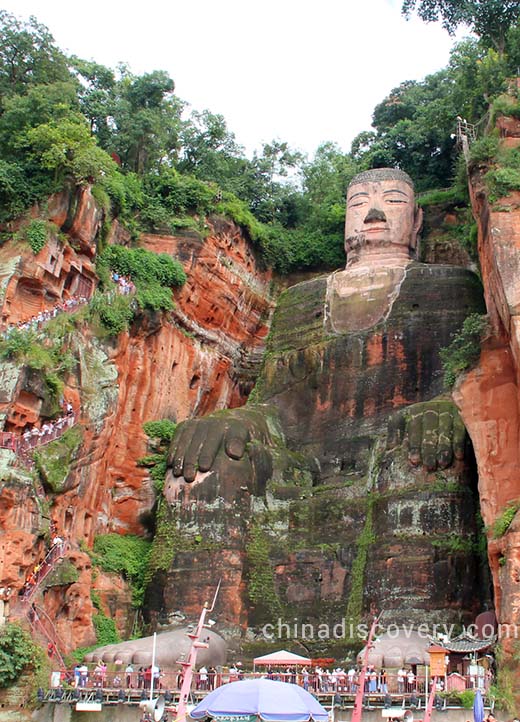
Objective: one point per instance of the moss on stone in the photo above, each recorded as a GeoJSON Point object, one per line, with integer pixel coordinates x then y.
{"type": "Point", "coordinates": [261, 586]}
{"type": "Point", "coordinates": [64, 573]}
{"type": "Point", "coordinates": [53, 460]}
{"type": "Point", "coordinates": [366, 538]}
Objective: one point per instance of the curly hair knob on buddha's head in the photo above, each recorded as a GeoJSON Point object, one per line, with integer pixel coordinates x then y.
{"type": "Point", "coordinates": [381, 174]}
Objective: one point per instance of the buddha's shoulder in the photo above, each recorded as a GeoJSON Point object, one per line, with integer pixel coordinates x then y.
{"type": "Point", "coordinates": [298, 318]}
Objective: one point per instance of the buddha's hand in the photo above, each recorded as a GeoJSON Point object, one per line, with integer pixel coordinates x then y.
{"type": "Point", "coordinates": [234, 446]}
{"type": "Point", "coordinates": [432, 432]}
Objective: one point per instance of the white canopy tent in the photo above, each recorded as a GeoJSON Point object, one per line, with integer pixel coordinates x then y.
{"type": "Point", "coordinates": [281, 658]}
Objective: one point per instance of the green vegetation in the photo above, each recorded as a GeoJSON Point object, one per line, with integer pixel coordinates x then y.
{"type": "Point", "coordinates": [154, 275]}
{"type": "Point", "coordinates": [260, 586]}
{"type": "Point", "coordinates": [365, 540]}
{"type": "Point", "coordinates": [126, 555]}
{"type": "Point", "coordinates": [465, 698]}
{"type": "Point", "coordinates": [113, 312]}
{"type": "Point", "coordinates": [47, 356]}
{"type": "Point", "coordinates": [166, 543]}
{"type": "Point", "coordinates": [503, 522]}
{"type": "Point", "coordinates": [454, 543]}
{"type": "Point", "coordinates": [106, 632]}
{"type": "Point", "coordinates": [158, 467]}
{"type": "Point", "coordinates": [504, 177]}
{"type": "Point", "coordinates": [464, 350]}
{"type": "Point", "coordinates": [502, 691]}
{"type": "Point", "coordinates": [448, 195]}
{"type": "Point", "coordinates": [36, 234]}
{"type": "Point", "coordinates": [18, 653]}
{"type": "Point", "coordinates": [163, 429]}
{"type": "Point", "coordinates": [53, 460]}
{"type": "Point", "coordinates": [66, 119]}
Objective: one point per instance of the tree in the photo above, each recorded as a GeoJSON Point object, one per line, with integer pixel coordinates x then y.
{"type": "Point", "coordinates": [40, 105]}
{"type": "Point", "coordinates": [65, 147]}
{"type": "Point", "coordinates": [209, 150]}
{"type": "Point", "coordinates": [489, 19]}
{"type": "Point", "coordinates": [414, 127]}
{"type": "Point", "coordinates": [146, 119]}
{"type": "Point", "coordinates": [28, 55]}
{"type": "Point", "coordinates": [96, 93]}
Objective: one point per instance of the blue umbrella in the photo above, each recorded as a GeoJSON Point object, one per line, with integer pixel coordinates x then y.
{"type": "Point", "coordinates": [478, 707]}
{"type": "Point", "coordinates": [264, 698]}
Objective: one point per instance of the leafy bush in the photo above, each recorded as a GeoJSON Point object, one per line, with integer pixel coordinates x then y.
{"type": "Point", "coordinates": [144, 266]}
{"type": "Point", "coordinates": [232, 207]}
{"type": "Point", "coordinates": [464, 350]}
{"type": "Point", "coordinates": [505, 105]}
{"type": "Point", "coordinates": [163, 429]}
{"type": "Point", "coordinates": [17, 653]}
{"type": "Point", "coordinates": [157, 463]}
{"type": "Point", "coordinates": [25, 347]}
{"type": "Point", "coordinates": [15, 190]}
{"type": "Point", "coordinates": [106, 632]}
{"type": "Point", "coordinates": [502, 181]}
{"type": "Point", "coordinates": [289, 250]}
{"type": "Point", "coordinates": [448, 195]}
{"type": "Point", "coordinates": [169, 193]}
{"type": "Point", "coordinates": [503, 522]}
{"type": "Point", "coordinates": [36, 234]}
{"type": "Point", "coordinates": [154, 274]}
{"type": "Point", "coordinates": [113, 310]}
{"type": "Point", "coordinates": [53, 460]}
{"type": "Point", "coordinates": [155, 298]}
{"type": "Point", "coordinates": [465, 698]}
{"type": "Point", "coordinates": [484, 149]}
{"type": "Point", "coordinates": [126, 555]}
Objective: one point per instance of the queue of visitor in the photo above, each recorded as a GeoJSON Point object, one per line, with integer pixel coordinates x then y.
{"type": "Point", "coordinates": [34, 323]}
{"type": "Point", "coordinates": [34, 435]}
{"type": "Point", "coordinates": [44, 566]}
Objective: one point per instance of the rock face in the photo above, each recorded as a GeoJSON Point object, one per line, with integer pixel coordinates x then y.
{"type": "Point", "coordinates": [344, 521]}
{"type": "Point", "coordinates": [488, 396]}
{"type": "Point", "coordinates": [335, 501]}
{"type": "Point", "coordinates": [200, 357]}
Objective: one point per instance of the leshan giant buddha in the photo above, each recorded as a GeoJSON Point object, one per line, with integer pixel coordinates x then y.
{"type": "Point", "coordinates": [350, 469]}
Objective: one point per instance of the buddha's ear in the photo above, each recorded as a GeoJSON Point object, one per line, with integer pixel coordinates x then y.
{"type": "Point", "coordinates": [417, 225]}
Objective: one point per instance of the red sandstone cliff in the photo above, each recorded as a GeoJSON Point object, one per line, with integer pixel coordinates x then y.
{"type": "Point", "coordinates": [193, 360]}
{"type": "Point", "coordinates": [489, 396]}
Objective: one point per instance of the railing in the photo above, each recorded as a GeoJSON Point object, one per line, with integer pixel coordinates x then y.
{"type": "Point", "coordinates": [39, 620]}
{"type": "Point", "coordinates": [36, 322]}
{"type": "Point", "coordinates": [41, 624]}
{"type": "Point", "coordinates": [171, 679]}
{"type": "Point", "coordinates": [24, 444]}
{"type": "Point", "coordinates": [46, 566]}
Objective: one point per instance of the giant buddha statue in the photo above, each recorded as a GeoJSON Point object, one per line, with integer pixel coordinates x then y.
{"type": "Point", "coordinates": [348, 444]}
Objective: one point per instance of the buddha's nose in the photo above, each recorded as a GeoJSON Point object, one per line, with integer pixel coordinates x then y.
{"type": "Point", "coordinates": [374, 214]}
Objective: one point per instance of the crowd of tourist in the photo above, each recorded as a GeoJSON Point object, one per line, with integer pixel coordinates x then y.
{"type": "Point", "coordinates": [125, 285]}
{"type": "Point", "coordinates": [34, 323]}
{"type": "Point", "coordinates": [34, 435]}
{"type": "Point", "coordinates": [50, 430]}
{"type": "Point", "coordinates": [140, 678]}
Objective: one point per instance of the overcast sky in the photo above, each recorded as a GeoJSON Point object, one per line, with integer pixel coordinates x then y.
{"type": "Point", "coordinates": [296, 70]}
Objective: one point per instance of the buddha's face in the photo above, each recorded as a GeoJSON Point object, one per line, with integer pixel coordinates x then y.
{"type": "Point", "coordinates": [381, 216]}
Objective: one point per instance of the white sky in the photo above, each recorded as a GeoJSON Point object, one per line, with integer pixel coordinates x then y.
{"type": "Point", "coordinates": [297, 70]}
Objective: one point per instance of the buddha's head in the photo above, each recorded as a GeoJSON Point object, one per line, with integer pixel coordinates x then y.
{"type": "Point", "coordinates": [382, 217]}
